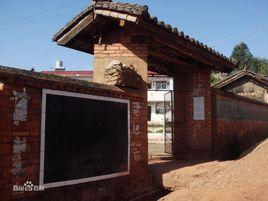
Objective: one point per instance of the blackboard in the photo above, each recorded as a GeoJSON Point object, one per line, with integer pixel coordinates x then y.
{"type": "Point", "coordinates": [84, 138]}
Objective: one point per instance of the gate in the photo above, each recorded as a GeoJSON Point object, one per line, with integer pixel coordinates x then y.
{"type": "Point", "coordinates": [168, 125]}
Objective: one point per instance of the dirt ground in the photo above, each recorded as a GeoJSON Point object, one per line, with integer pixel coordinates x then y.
{"type": "Point", "coordinates": [240, 180]}
{"type": "Point", "coordinates": [157, 150]}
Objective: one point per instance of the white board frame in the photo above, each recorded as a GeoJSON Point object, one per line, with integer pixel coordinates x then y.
{"type": "Point", "coordinates": [42, 144]}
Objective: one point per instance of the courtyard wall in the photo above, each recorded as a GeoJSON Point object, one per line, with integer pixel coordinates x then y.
{"type": "Point", "coordinates": [238, 123]}
{"type": "Point", "coordinates": [20, 141]}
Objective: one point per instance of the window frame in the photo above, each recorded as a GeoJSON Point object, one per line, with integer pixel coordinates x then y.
{"type": "Point", "coordinates": [42, 141]}
{"type": "Point", "coordinates": [156, 105]}
{"type": "Point", "coordinates": [162, 83]}
{"type": "Point", "coordinates": [149, 111]}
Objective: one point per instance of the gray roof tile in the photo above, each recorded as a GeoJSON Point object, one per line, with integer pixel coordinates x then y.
{"type": "Point", "coordinates": [138, 10]}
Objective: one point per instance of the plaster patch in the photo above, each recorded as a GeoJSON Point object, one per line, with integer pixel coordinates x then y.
{"type": "Point", "coordinates": [136, 152]}
{"type": "Point", "coordinates": [136, 108]}
{"type": "Point", "coordinates": [19, 146]}
{"type": "Point", "coordinates": [20, 106]}
{"type": "Point", "coordinates": [136, 129]}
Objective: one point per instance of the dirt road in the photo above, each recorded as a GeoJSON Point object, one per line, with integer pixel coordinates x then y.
{"type": "Point", "coordinates": [240, 180]}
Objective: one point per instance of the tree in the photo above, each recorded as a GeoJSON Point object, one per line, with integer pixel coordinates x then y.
{"type": "Point", "coordinates": [243, 56]}
{"type": "Point", "coordinates": [213, 78]}
{"type": "Point", "coordinates": [262, 65]}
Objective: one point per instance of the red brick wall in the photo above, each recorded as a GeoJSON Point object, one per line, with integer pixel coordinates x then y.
{"type": "Point", "coordinates": [127, 47]}
{"type": "Point", "coordinates": [238, 123]}
{"type": "Point", "coordinates": [117, 49]}
{"type": "Point", "coordinates": [192, 138]}
{"type": "Point", "coordinates": [28, 135]}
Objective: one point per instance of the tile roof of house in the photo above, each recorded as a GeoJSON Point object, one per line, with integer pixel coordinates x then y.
{"type": "Point", "coordinates": [21, 73]}
{"type": "Point", "coordinates": [142, 12]}
{"type": "Point", "coordinates": [70, 73]}
{"type": "Point", "coordinates": [240, 75]}
{"type": "Point", "coordinates": [83, 73]}
{"type": "Point", "coordinates": [134, 9]}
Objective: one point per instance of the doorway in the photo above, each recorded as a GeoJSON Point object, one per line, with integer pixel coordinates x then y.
{"type": "Point", "coordinates": [160, 116]}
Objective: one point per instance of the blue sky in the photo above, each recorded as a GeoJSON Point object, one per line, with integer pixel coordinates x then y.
{"type": "Point", "coordinates": [27, 27]}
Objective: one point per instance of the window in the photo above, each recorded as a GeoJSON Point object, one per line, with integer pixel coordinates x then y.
{"type": "Point", "coordinates": [149, 85]}
{"type": "Point", "coordinates": [162, 85]}
{"type": "Point", "coordinates": [168, 106]}
{"type": "Point", "coordinates": [149, 112]}
{"type": "Point", "coordinates": [160, 109]}
{"type": "Point", "coordinates": [81, 140]}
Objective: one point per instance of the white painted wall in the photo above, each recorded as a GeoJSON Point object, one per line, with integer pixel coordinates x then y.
{"type": "Point", "coordinates": [155, 96]}
{"type": "Point", "coordinates": [155, 118]}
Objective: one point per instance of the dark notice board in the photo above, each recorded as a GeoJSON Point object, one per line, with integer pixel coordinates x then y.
{"type": "Point", "coordinates": [84, 138]}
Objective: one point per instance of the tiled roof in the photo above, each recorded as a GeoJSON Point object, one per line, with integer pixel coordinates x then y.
{"type": "Point", "coordinates": [239, 75]}
{"type": "Point", "coordinates": [133, 9]}
{"type": "Point", "coordinates": [20, 73]}
{"type": "Point", "coordinates": [139, 11]}
{"type": "Point", "coordinates": [70, 73]}
{"type": "Point", "coordinates": [182, 35]}
{"type": "Point", "coordinates": [83, 73]}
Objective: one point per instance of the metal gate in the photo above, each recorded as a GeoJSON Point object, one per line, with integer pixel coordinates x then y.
{"type": "Point", "coordinates": [168, 117]}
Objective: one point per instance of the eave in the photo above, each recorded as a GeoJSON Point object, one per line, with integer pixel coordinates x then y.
{"type": "Point", "coordinates": [83, 32]}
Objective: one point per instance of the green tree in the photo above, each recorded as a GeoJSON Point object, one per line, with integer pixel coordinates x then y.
{"type": "Point", "coordinates": [243, 56]}
{"type": "Point", "coordinates": [262, 66]}
{"type": "Point", "coordinates": [214, 78]}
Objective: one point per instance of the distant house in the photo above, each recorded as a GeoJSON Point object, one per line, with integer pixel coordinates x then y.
{"type": "Point", "coordinates": [246, 83]}
{"type": "Point", "coordinates": [59, 69]}
{"type": "Point", "coordinates": [78, 74]}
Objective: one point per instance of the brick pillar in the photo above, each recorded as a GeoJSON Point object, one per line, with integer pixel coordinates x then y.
{"type": "Point", "coordinates": [192, 137]}
{"type": "Point", "coordinates": [129, 50]}
{"type": "Point", "coordinates": [125, 48]}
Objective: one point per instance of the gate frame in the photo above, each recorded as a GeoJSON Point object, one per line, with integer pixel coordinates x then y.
{"type": "Point", "coordinates": [172, 122]}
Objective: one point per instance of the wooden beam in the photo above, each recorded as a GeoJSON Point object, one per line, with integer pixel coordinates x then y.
{"type": "Point", "coordinates": [166, 50]}
{"type": "Point", "coordinates": [169, 58]}
{"type": "Point", "coordinates": [76, 30]}
{"type": "Point", "coordinates": [186, 47]}
{"type": "Point", "coordinates": [159, 67]}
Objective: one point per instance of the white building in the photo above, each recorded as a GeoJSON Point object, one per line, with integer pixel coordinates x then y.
{"type": "Point", "coordinates": [158, 86]}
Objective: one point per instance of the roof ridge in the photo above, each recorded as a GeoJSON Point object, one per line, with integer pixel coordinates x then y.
{"type": "Point", "coordinates": [239, 75]}
{"type": "Point", "coordinates": [141, 11]}
{"type": "Point", "coordinates": [135, 9]}
{"type": "Point", "coordinates": [16, 72]}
